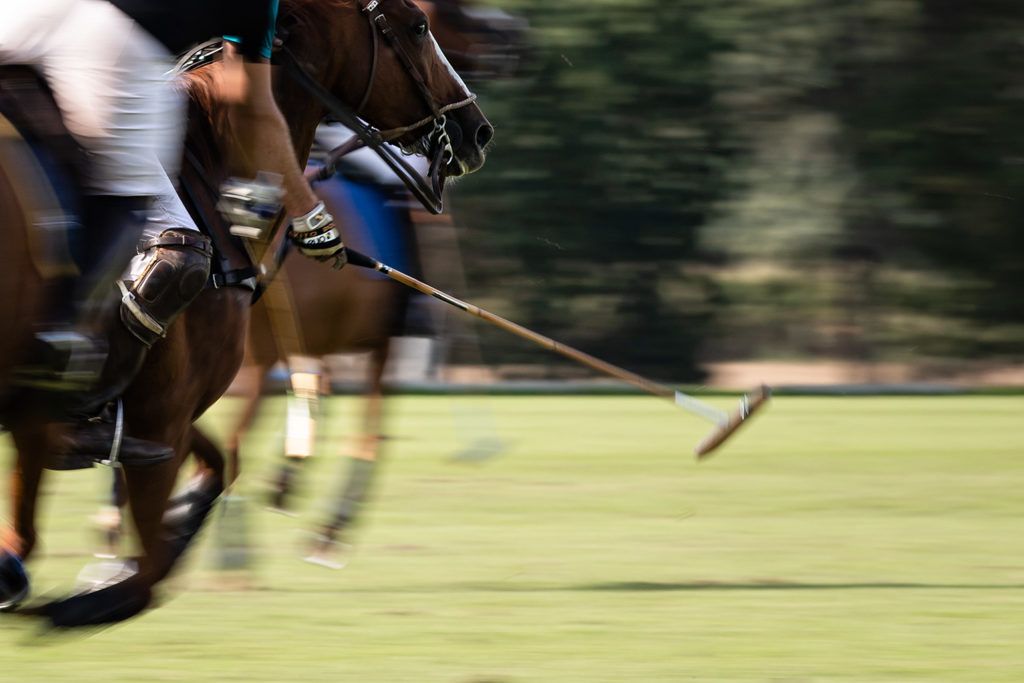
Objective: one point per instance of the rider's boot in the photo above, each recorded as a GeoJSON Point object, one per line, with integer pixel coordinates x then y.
{"type": "Point", "coordinates": [175, 272]}
{"type": "Point", "coordinates": [68, 349]}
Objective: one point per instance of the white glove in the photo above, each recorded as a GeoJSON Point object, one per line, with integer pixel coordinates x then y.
{"type": "Point", "coordinates": [316, 237]}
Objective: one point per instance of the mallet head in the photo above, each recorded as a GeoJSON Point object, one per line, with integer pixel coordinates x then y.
{"type": "Point", "coordinates": [748, 406]}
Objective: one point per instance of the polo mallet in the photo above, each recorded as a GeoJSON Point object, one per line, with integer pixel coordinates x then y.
{"type": "Point", "coordinates": [725, 423]}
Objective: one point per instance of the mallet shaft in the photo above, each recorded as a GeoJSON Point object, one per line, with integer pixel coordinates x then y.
{"type": "Point", "coordinates": [708, 412]}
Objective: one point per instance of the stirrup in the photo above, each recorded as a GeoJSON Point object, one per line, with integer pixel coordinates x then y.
{"type": "Point", "coordinates": [115, 443]}
{"type": "Point", "coordinates": [85, 449]}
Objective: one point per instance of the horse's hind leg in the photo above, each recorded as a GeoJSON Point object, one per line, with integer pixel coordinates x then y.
{"type": "Point", "coordinates": [255, 382]}
{"type": "Point", "coordinates": [149, 488]}
{"type": "Point", "coordinates": [210, 463]}
{"type": "Point", "coordinates": [209, 457]}
{"type": "Point", "coordinates": [230, 524]}
{"type": "Point", "coordinates": [130, 589]}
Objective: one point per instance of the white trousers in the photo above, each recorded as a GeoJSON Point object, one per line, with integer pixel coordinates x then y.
{"type": "Point", "coordinates": [112, 82]}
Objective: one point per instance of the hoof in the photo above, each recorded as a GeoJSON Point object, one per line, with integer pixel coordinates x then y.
{"type": "Point", "coordinates": [281, 511]}
{"type": "Point", "coordinates": [114, 593]}
{"type": "Point", "coordinates": [14, 584]}
{"type": "Point", "coordinates": [328, 552]}
{"type": "Point", "coordinates": [480, 450]}
{"type": "Point", "coordinates": [97, 575]}
{"type": "Point", "coordinates": [279, 500]}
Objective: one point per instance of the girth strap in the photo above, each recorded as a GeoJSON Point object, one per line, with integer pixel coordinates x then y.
{"type": "Point", "coordinates": [241, 277]}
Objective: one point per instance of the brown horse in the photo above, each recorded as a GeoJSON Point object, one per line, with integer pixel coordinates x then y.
{"type": "Point", "coordinates": [299, 321]}
{"type": "Point", "coordinates": [340, 43]}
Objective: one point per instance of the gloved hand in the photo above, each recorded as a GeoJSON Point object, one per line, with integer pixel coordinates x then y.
{"type": "Point", "coordinates": [251, 207]}
{"type": "Point", "coordinates": [316, 237]}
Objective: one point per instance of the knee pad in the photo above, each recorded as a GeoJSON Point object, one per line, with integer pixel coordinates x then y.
{"type": "Point", "coordinates": [176, 271]}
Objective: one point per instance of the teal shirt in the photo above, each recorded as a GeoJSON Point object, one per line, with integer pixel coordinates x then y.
{"type": "Point", "coordinates": [268, 40]}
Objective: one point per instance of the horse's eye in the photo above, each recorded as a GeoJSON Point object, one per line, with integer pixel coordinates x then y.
{"type": "Point", "coordinates": [420, 29]}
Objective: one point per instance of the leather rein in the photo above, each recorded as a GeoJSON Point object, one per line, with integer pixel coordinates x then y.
{"type": "Point", "coordinates": [436, 145]}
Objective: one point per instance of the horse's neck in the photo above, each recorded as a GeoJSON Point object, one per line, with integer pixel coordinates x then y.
{"type": "Point", "coordinates": [302, 113]}
{"type": "Point", "coordinates": [323, 43]}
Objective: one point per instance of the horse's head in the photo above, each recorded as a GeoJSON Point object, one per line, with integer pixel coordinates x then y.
{"type": "Point", "coordinates": [480, 42]}
{"type": "Point", "coordinates": [380, 58]}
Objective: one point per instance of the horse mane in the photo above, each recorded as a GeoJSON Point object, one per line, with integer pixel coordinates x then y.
{"type": "Point", "coordinates": [207, 115]}
{"type": "Point", "coordinates": [310, 19]}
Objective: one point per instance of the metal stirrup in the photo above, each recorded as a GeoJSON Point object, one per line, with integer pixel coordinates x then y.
{"type": "Point", "coordinates": [115, 445]}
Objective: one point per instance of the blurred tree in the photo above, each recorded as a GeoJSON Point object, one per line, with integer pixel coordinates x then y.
{"type": "Point", "coordinates": [883, 157]}
{"type": "Point", "coordinates": [930, 105]}
{"type": "Point", "coordinates": [673, 182]}
{"type": "Point", "coordinates": [606, 162]}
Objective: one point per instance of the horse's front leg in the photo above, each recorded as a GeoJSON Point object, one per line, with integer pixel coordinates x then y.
{"type": "Point", "coordinates": [149, 490]}
{"type": "Point", "coordinates": [128, 590]}
{"type": "Point", "coordinates": [31, 446]}
{"type": "Point", "coordinates": [30, 440]}
{"type": "Point", "coordinates": [185, 374]}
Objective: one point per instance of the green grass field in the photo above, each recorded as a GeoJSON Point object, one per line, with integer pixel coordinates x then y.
{"type": "Point", "coordinates": [834, 539]}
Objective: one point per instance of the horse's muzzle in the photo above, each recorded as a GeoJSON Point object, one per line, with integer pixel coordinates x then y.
{"type": "Point", "coordinates": [469, 150]}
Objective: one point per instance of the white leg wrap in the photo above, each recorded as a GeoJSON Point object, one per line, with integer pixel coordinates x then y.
{"type": "Point", "coordinates": [303, 404]}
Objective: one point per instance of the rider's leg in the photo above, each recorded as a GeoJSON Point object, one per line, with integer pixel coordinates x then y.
{"type": "Point", "coordinates": [70, 348]}
{"type": "Point", "coordinates": [116, 101]}
{"type": "Point", "coordinates": [175, 270]}
{"type": "Point", "coordinates": [119, 104]}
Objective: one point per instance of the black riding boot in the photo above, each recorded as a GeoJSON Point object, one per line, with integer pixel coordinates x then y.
{"type": "Point", "coordinates": [86, 251]}
{"type": "Point", "coordinates": [175, 273]}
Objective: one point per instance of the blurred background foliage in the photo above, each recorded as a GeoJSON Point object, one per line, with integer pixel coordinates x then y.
{"type": "Point", "coordinates": [675, 183]}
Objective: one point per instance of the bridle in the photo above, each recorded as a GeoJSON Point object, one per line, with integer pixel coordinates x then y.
{"type": "Point", "coordinates": [435, 145]}
{"type": "Point", "coordinates": [381, 27]}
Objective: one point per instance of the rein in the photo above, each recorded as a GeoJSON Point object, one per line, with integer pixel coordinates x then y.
{"type": "Point", "coordinates": [437, 144]}
{"type": "Point", "coordinates": [428, 194]}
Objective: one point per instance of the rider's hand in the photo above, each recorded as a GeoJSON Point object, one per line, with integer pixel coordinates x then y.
{"type": "Point", "coordinates": [316, 236]}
